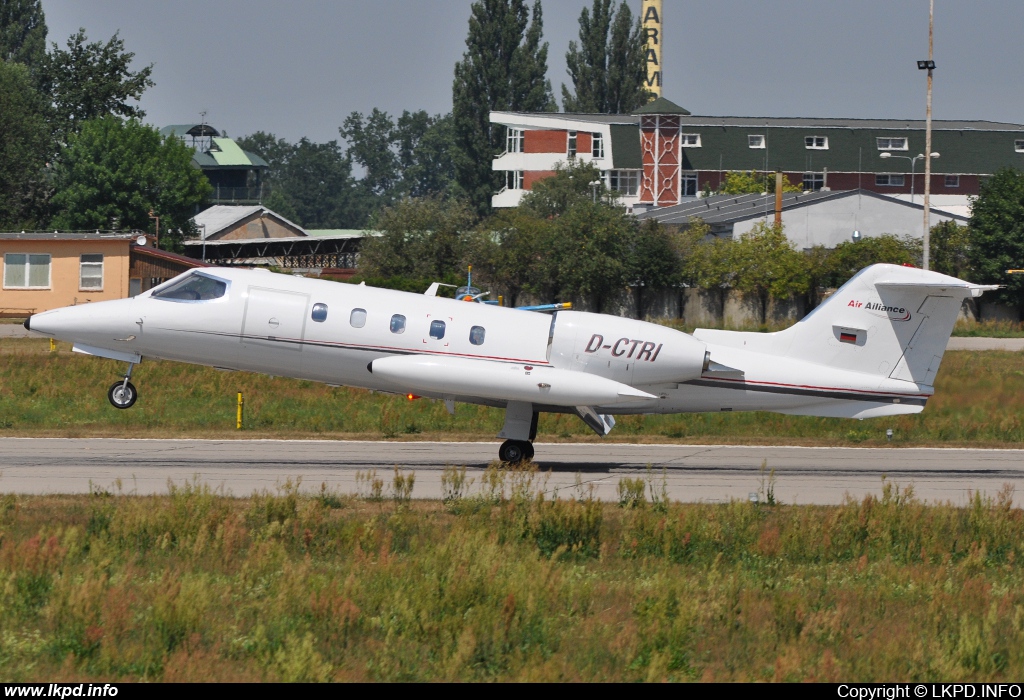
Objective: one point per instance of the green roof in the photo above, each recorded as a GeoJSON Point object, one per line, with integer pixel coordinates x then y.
{"type": "Point", "coordinates": [227, 152]}
{"type": "Point", "coordinates": [626, 146]}
{"type": "Point", "coordinates": [662, 106]}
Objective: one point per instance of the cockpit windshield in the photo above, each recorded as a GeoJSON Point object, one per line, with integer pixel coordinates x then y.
{"type": "Point", "coordinates": [195, 287]}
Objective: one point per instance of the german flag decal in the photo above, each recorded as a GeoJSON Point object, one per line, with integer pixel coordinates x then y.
{"type": "Point", "coordinates": [848, 338]}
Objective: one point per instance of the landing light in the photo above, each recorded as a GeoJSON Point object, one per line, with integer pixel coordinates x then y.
{"type": "Point", "coordinates": [411, 397]}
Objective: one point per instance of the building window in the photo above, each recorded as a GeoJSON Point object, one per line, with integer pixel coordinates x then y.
{"type": "Point", "coordinates": [1018, 146]}
{"type": "Point", "coordinates": [514, 141]}
{"type": "Point", "coordinates": [476, 335]}
{"type": "Point", "coordinates": [892, 144]}
{"type": "Point", "coordinates": [625, 182]}
{"type": "Point", "coordinates": [571, 148]}
{"type": "Point", "coordinates": [688, 184]}
{"type": "Point", "coordinates": [358, 318]}
{"type": "Point", "coordinates": [889, 180]}
{"type": "Point", "coordinates": [691, 140]}
{"type": "Point", "coordinates": [952, 181]}
{"type": "Point", "coordinates": [755, 141]}
{"type": "Point", "coordinates": [819, 143]}
{"type": "Point", "coordinates": [597, 145]}
{"type": "Point", "coordinates": [90, 271]}
{"type": "Point", "coordinates": [26, 271]}
{"type": "Point", "coordinates": [514, 179]}
{"type": "Point", "coordinates": [813, 181]}
{"type": "Point", "coordinates": [437, 329]}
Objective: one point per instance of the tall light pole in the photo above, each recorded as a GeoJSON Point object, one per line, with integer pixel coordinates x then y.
{"type": "Point", "coordinates": [928, 65]}
{"type": "Point", "coordinates": [913, 164]}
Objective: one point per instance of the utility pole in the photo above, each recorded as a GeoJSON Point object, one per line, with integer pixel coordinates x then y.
{"type": "Point", "coordinates": [930, 65]}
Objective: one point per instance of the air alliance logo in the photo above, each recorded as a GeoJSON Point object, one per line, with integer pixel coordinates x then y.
{"type": "Point", "coordinates": [877, 308]}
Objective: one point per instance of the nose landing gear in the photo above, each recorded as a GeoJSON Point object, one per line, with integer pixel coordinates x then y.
{"type": "Point", "coordinates": [123, 394]}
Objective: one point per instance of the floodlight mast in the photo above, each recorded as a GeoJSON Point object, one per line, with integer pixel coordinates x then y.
{"type": "Point", "coordinates": [928, 65]}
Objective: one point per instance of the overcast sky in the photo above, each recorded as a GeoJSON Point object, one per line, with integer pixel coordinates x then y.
{"type": "Point", "coordinates": [298, 68]}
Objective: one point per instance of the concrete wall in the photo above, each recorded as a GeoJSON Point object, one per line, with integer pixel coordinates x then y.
{"type": "Point", "coordinates": [64, 289]}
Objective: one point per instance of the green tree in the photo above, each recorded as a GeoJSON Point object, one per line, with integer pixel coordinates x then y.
{"type": "Point", "coordinates": [997, 226]}
{"type": "Point", "coordinates": [420, 238]}
{"type": "Point", "coordinates": [755, 182]}
{"type": "Point", "coordinates": [318, 183]}
{"type": "Point", "coordinates": [950, 245]}
{"type": "Point", "coordinates": [506, 253]}
{"type": "Point", "coordinates": [22, 32]}
{"type": "Point", "coordinates": [371, 141]}
{"type": "Point", "coordinates": [767, 267]}
{"type": "Point", "coordinates": [608, 67]}
{"type": "Point", "coordinates": [116, 172]}
{"type": "Point", "coordinates": [588, 255]}
{"type": "Point", "coordinates": [569, 186]}
{"type": "Point", "coordinates": [850, 257]}
{"type": "Point", "coordinates": [425, 148]}
{"type": "Point", "coordinates": [23, 148]}
{"type": "Point", "coordinates": [89, 80]}
{"type": "Point", "coordinates": [654, 264]}
{"type": "Point", "coordinates": [504, 68]}
{"type": "Point", "coordinates": [706, 261]}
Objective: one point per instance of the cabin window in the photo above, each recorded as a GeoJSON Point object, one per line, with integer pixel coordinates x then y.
{"type": "Point", "coordinates": [358, 318]}
{"type": "Point", "coordinates": [398, 323]}
{"type": "Point", "coordinates": [193, 288]}
{"type": "Point", "coordinates": [26, 271]}
{"type": "Point", "coordinates": [90, 271]}
{"type": "Point", "coordinates": [437, 329]}
{"type": "Point", "coordinates": [319, 312]}
{"type": "Point", "coordinates": [476, 335]}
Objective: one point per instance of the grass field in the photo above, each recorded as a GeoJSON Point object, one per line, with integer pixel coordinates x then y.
{"type": "Point", "coordinates": [507, 586]}
{"type": "Point", "coordinates": [979, 401]}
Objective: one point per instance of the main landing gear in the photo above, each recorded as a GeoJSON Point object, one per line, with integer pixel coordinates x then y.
{"type": "Point", "coordinates": [123, 394]}
{"type": "Point", "coordinates": [515, 451]}
{"type": "Point", "coordinates": [521, 430]}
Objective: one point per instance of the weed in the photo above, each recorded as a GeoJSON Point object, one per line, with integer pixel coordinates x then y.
{"type": "Point", "coordinates": [632, 492]}
{"type": "Point", "coordinates": [369, 487]}
{"type": "Point", "coordinates": [766, 489]}
{"type": "Point", "coordinates": [454, 485]}
{"type": "Point", "coordinates": [401, 487]}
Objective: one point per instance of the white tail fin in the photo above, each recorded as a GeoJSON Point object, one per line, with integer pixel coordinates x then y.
{"type": "Point", "coordinates": [887, 321]}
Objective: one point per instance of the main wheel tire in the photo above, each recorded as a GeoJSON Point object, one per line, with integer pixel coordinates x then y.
{"type": "Point", "coordinates": [512, 451]}
{"type": "Point", "coordinates": [122, 395]}
{"type": "Point", "coordinates": [529, 450]}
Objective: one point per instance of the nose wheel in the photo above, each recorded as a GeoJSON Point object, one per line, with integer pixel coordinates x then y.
{"type": "Point", "coordinates": [515, 451]}
{"type": "Point", "coordinates": [123, 394]}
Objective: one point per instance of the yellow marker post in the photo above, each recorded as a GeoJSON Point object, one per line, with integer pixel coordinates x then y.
{"type": "Point", "coordinates": [240, 403]}
{"type": "Point", "coordinates": [53, 345]}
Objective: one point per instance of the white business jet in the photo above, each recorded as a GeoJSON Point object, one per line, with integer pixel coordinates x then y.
{"type": "Point", "coordinates": [872, 349]}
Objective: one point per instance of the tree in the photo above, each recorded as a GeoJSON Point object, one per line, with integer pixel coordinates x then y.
{"type": "Point", "coordinates": [370, 145]}
{"type": "Point", "coordinates": [115, 172]}
{"type": "Point", "coordinates": [755, 182]}
{"type": "Point", "coordinates": [504, 68]}
{"type": "Point", "coordinates": [850, 257]}
{"type": "Point", "coordinates": [425, 153]}
{"type": "Point", "coordinates": [22, 32]}
{"type": "Point", "coordinates": [767, 266]}
{"type": "Point", "coordinates": [997, 226]}
{"type": "Point", "coordinates": [505, 252]}
{"type": "Point", "coordinates": [654, 263]}
{"type": "Point", "coordinates": [89, 80]}
{"type": "Point", "coordinates": [569, 186]}
{"type": "Point", "coordinates": [608, 67]}
{"type": "Point", "coordinates": [706, 261]}
{"type": "Point", "coordinates": [950, 245]}
{"type": "Point", "coordinates": [420, 238]}
{"type": "Point", "coordinates": [23, 149]}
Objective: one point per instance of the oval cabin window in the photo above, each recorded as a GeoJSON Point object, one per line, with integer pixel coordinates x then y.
{"type": "Point", "coordinates": [437, 329]}
{"type": "Point", "coordinates": [476, 335]}
{"type": "Point", "coordinates": [358, 318]}
{"type": "Point", "coordinates": [398, 323]}
{"type": "Point", "coordinates": [319, 312]}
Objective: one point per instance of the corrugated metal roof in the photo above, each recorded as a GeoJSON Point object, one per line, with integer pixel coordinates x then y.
{"type": "Point", "coordinates": [340, 232]}
{"type": "Point", "coordinates": [68, 235]}
{"type": "Point", "coordinates": [227, 152]}
{"type": "Point", "coordinates": [222, 216]}
{"type": "Point", "coordinates": [730, 208]}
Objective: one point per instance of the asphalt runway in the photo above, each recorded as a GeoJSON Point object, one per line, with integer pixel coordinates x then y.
{"type": "Point", "coordinates": [692, 473]}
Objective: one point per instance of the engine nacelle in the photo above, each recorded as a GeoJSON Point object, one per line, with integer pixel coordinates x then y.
{"type": "Point", "coordinates": [628, 351]}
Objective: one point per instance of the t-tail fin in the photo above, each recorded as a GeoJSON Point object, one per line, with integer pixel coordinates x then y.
{"type": "Point", "coordinates": [887, 320]}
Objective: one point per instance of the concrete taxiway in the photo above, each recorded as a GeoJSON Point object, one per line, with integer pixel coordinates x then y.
{"type": "Point", "coordinates": [691, 472]}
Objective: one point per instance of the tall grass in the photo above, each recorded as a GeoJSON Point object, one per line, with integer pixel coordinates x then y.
{"type": "Point", "coordinates": [979, 401]}
{"type": "Point", "coordinates": [507, 585]}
